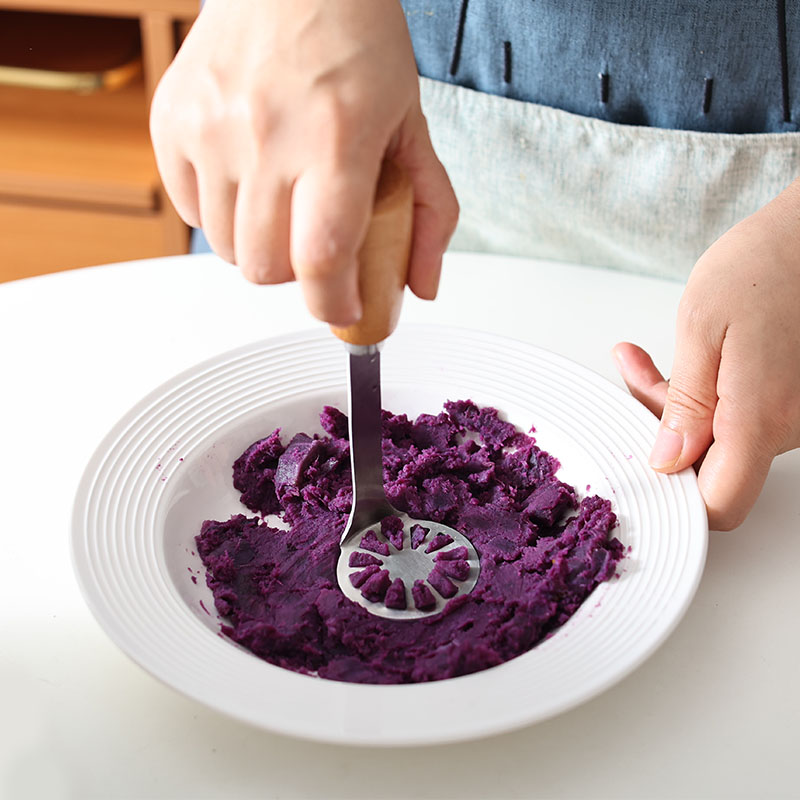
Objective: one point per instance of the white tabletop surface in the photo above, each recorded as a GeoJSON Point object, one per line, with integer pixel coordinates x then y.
{"type": "Point", "coordinates": [715, 712]}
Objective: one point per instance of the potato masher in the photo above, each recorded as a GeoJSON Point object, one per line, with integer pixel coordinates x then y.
{"type": "Point", "coordinates": [393, 565]}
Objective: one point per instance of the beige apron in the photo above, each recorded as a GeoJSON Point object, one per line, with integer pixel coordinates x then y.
{"type": "Point", "coordinates": [538, 182]}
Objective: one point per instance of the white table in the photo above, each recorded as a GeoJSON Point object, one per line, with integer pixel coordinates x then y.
{"type": "Point", "coordinates": [714, 713]}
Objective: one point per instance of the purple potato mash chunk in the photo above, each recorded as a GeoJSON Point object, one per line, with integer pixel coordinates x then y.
{"type": "Point", "coordinates": [396, 595]}
{"type": "Point", "coordinates": [418, 534]}
{"type": "Point", "coordinates": [454, 569]}
{"type": "Point", "coordinates": [358, 579]}
{"type": "Point", "coordinates": [254, 474]}
{"type": "Point", "coordinates": [334, 423]}
{"type": "Point", "coordinates": [483, 421]}
{"type": "Point", "coordinates": [441, 582]}
{"type": "Point", "coordinates": [375, 587]}
{"type": "Point", "coordinates": [276, 588]}
{"type": "Point", "coordinates": [454, 554]}
{"type": "Point", "coordinates": [422, 596]}
{"type": "Point", "coordinates": [392, 529]}
{"type": "Point", "coordinates": [295, 459]}
{"type": "Point", "coordinates": [358, 559]}
{"type": "Point", "coordinates": [370, 541]}
{"type": "Point", "coordinates": [438, 542]}
{"type": "Point", "coordinates": [549, 502]}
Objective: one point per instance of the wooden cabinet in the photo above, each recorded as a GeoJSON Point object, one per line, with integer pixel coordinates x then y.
{"type": "Point", "coordinates": [78, 180]}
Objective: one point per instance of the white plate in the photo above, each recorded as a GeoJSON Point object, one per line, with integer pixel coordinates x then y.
{"type": "Point", "coordinates": [167, 466]}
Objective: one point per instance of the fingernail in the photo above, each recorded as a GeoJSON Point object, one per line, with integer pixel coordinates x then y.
{"type": "Point", "coordinates": [667, 449]}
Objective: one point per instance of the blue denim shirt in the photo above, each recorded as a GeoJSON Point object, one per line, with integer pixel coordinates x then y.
{"type": "Point", "coordinates": [728, 66]}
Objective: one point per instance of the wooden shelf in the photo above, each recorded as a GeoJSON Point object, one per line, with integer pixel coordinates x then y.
{"type": "Point", "coordinates": [89, 149]}
{"type": "Point", "coordinates": [78, 179]}
{"type": "Point", "coordinates": [185, 10]}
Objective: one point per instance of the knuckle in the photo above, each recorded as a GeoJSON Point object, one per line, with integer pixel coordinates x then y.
{"type": "Point", "coordinates": [258, 116]}
{"type": "Point", "coordinates": [338, 125]}
{"type": "Point", "coordinates": [158, 115]}
{"type": "Point", "coordinates": [173, 110]}
{"type": "Point", "coordinates": [336, 109]}
{"type": "Point", "coordinates": [772, 421]}
{"type": "Point", "coordinates": [205, 129]}
{"type": "Point", "coordinates": [165, 113]}
{"type": "Point", "coordinates": [689, 404]}
{"type": "Point", "coordinates": [208, 116]}
{"type": "Point", "coordinates": [779, 425]}
{"type": "Point", "coordinates": [697, 317]}
{"type": "Point", "coordinates": [322, 257]}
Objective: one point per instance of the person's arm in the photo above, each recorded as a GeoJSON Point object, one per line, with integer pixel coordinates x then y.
{"type": "Point", "coordinates": [733, 398]}
{"type": "Point", "coordinates": [269, 130]}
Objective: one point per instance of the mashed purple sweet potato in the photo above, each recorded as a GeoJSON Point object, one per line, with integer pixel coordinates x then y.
{"type": "Point", "coordinates": [277, 588]}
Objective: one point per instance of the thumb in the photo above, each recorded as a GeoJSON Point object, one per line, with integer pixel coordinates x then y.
{"type": "Point", "coordinates": [687, 423]}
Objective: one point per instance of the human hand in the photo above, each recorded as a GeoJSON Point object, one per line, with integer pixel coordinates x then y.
{"type": "Point", "coordinates": [733, 399]}
{"type": "Point", "coordinates": [270, 128]}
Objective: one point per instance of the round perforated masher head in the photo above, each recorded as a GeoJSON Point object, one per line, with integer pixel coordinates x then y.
{"type": "Point", "coordinates": [403, 568]}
